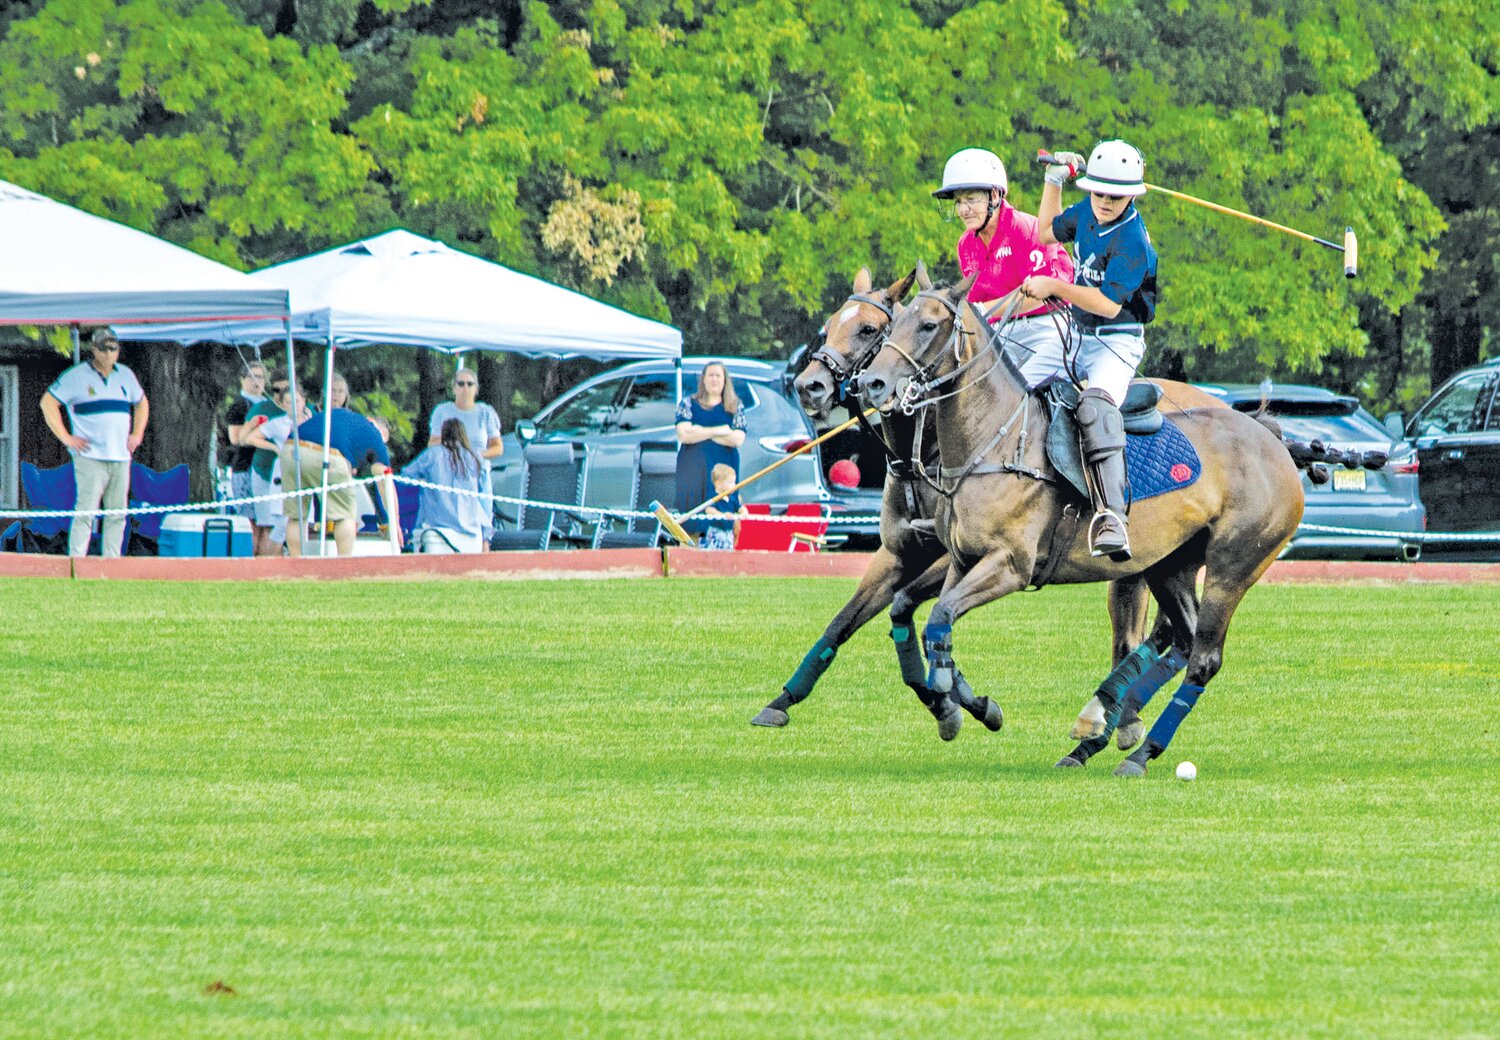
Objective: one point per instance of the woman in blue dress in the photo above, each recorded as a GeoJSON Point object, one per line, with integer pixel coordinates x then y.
{"type": "Point", "coordinates": [710, 428]}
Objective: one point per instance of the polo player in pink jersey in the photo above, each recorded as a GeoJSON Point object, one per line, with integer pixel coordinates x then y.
{"type": "Point", "coordinates": [1001, 243]}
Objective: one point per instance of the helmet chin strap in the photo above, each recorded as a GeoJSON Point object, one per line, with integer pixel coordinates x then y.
{"type": "Point", "coordinates": [994, 208]}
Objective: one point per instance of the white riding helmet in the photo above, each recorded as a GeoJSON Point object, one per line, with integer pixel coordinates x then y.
{"type": "Point", "coordinates": [1115, 168]}
{"type": "Point", "coordinates": [972, 168]}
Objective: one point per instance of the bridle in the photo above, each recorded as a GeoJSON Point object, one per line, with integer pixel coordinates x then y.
{"type": "Point", "coordinates": [841, 368]}
{"type": "Point", "coordinates": [915, 396]}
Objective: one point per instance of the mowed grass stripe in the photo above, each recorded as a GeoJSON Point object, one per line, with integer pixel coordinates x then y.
{"type": "Point", "coordinates": [536, 810]}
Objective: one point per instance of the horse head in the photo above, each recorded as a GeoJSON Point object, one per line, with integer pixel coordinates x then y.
{"type": "Point", "coordinates": [923, 343]}
{"type": "Point", "coordinates": [852, 335]}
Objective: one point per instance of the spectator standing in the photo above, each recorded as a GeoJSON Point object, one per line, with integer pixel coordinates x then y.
{"type": "Point", "coordinates": [355, 448]}
{"type": "Point", "coordinates": [107, 416]}
{"type": "Point", "coordinates": [461, 520]}
{"type": "Point", "coordinates": [265, 476]}
{"type": "Point", "coordinates": [481, 422]}
{"type": "Point", "coordinates": [710, 429]}
{"type": "Point", "coordinates": [252, 392]}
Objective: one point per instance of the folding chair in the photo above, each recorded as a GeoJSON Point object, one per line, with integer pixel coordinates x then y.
{"type": "Point", "coordinates": [150, 488]}
{"type": "Point", "coordinates": [45, 489]}
{"type": "Point", "coordinates": [655, 481]}
{"type": "Point", "coordinates": [807, 537]}
{"type": "Point", "coordinates": [768, 535]}
{"type": "Point", "coordinates": [552, 473]}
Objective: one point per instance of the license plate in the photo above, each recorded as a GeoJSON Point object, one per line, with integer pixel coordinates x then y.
{"type": "Point", "coordinates": [1348, 479]}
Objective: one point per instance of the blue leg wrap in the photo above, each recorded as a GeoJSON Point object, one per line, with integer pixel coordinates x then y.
{"type": "Point", "coordinates": [811, 669]}
{"type": "Point", "coordinates": [1138, 694]}
{"type": "Point", "coordinates": [1171, 717]}
{"type": "Point", "coordinates": [913, 670]}
{"type": "Point", "coordinates": [939, 634]}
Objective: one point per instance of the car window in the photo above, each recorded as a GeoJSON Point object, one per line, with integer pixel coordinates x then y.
{"type": "Point", "coordinates": [1336, 429]}
{"type": "Point", "coordinates": [587, 412]}
{"type": "Point", "coordinates": [652, 404]}
{"type": "Point", "coordinates": [1461, 408]}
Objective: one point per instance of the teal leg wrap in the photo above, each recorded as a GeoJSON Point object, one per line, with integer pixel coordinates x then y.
{"type": "Point", "coordinates": [913, 670]}
{"type": "Point", "coordinates": [810, 670]}
{"type": "Point", "coordinates": [1111, 693]}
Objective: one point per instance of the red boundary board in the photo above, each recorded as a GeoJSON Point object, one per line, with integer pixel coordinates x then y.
{"type": "Point", "coordinates": [623, 563]}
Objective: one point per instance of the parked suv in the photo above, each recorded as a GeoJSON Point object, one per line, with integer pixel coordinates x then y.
{"type": "Point", "coordinates": [615, 411]}
{"type": "Point", "coordinates": [1384, 500]}
{"type": "Point", "coordinates": [1456, 435]}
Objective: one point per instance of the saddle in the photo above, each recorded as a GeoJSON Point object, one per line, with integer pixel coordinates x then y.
{"type": "Point", "coordinates": [1158, 457]}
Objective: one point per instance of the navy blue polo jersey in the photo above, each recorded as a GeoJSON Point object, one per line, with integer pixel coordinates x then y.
{"type": "Point", "coordinates": [1117, 259]}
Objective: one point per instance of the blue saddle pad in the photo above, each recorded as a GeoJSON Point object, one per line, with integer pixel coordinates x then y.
{"type": "Point", "coordinates": [1163, 461]}
{"type": "Point", "coordinates": [1155, 463]}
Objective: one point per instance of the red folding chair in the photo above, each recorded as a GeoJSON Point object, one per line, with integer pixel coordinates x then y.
{"type": "Point", "coordinates": [780, 536]}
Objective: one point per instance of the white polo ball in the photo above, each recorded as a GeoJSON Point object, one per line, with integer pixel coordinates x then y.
{"type": "Point", "coordinates": [1187, 771]}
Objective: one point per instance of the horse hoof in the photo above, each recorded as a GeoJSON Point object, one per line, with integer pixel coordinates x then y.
{"type": "Point", "coordinates": [989, 713]}
{"type": "Point", "coordinates": [1129, 768]}
{"type": "Point", "coordinates": [774, 717]}
{"type": "Point", "coordinates": [1128, 736]}
{"type": "Point", "coordinates": [1090, 722]}
{"type": "Point", "coordinates": [949, 719]}
{"type": "Point", "coordinates": [940, 680]}
{"type": "Point", "coordinates": [1068, 762]}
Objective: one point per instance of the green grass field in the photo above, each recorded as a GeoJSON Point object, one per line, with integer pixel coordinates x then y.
{"type": "Point", "coordinates": [537, 810]}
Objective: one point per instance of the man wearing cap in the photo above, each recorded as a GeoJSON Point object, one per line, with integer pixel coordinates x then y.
{"type": "Point", "coordinates": [107, 414]}
{"type": "Point", "coordinates": [1113, 298]}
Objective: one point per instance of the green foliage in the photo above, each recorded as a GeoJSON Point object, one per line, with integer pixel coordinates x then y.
{"type": "Point", "coordinates": [728, 165]}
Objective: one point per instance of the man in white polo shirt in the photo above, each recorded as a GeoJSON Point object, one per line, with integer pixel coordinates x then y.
{"type": "Point", "coordinates": [107, 411]}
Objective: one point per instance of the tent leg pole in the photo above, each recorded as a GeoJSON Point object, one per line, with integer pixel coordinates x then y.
{"type": "Point", "coordinates": [291, 370]}
{"type": "Point", "coordinates": [327, 437]}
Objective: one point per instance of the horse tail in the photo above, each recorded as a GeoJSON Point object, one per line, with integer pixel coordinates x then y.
{"type": "Point", "coordinates": [1316, 457]}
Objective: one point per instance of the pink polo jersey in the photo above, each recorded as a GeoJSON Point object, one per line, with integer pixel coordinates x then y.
{"type": "Point", "coordinates": [1011, 256]}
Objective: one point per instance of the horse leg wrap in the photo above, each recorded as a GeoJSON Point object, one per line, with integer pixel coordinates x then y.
{"type": "Point", "coordinates": [807, 674]}
{"type": "Point", "coordinates": [982, 708]}
{"type": "Point", "coordinates": [1132, 666]}
{"type": "Point", "coordinates": [1171, 717]}
{"type": "Point", "coordinates": [909, 654]}
{"type": "Point", "coordinates": [1138, 694]}
{"type": "Point", "coordinates": [939, 640]}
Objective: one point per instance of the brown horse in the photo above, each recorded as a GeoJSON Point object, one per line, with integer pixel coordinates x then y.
{"type": "Point", "coordinates": [909, 566]}
{"type": "Point", "coordinates": [1007, 519]}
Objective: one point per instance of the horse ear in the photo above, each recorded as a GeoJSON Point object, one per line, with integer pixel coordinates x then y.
{"type": "Point", "coordinates": [924, 281]}
{"type": "Point", "coordinates": [961, 290]}
{"type": "Point", "coordinates": [863, 281]}
{"type": "Point", "coordinates": [898, 290]}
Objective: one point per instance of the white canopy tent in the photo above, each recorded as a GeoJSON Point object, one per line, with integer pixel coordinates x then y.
{"type": "Point", "coordinates": [401, 288]}
{"type": "Point", "coordinates": [62, 266]}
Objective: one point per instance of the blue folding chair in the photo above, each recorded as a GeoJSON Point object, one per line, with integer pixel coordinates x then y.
{"type": "Point", "coordinates": [150, 488]}
{"type": "Point", "coordinates": [45, 489]}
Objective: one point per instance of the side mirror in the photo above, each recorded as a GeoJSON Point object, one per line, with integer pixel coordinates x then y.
{"type": "Point", "coordinates": [1395, 425]}
{"type": "Point", "coordinates": [526, 430]}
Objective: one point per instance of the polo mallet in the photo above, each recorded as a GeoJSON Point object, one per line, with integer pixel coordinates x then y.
{"type": "Point", "coordinates": [673, 524]}
{"type": "Point", "coordinates": [1350, 248]}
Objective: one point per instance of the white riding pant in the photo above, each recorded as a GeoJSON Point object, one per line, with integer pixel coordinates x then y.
{"type": "Point", "coordinates": [1038, 344]}
{"type": "Point", "coordinates": [1107, 357]}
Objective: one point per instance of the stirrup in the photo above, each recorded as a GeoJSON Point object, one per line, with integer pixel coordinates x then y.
{"type": "Point", "coordinates": [1109, 540]}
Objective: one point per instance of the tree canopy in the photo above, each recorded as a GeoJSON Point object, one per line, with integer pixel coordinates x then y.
{"type": "Point", "coordinates": [727, 166]}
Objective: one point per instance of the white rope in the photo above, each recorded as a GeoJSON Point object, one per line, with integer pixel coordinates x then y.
{"type": "Point", "coordinates": [1406, 536]}
{"type": "Point", "coordinates": [562, 507]}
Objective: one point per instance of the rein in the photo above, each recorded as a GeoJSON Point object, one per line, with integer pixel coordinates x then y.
{"type": "Point", "coordinates": [911, 402]}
